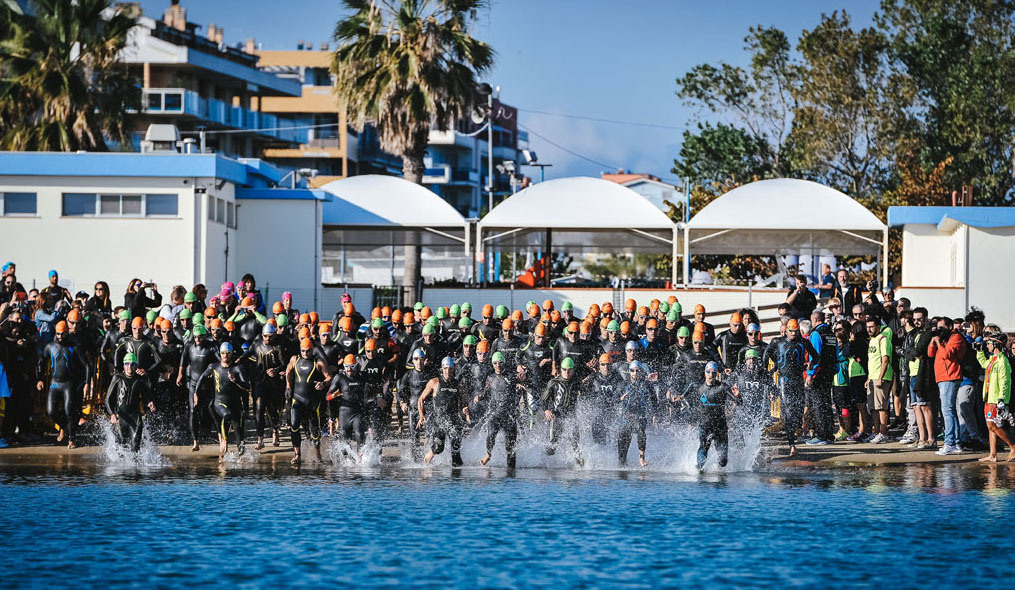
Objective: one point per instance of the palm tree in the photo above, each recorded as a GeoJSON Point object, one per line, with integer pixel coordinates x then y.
{"type": "Point", "coordinates": [404, 66]}
{"type": "Point", "coordinates": [61, 86]}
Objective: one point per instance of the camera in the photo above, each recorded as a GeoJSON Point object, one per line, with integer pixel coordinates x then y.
{"type": "Point", "coordinates": [872, 285]}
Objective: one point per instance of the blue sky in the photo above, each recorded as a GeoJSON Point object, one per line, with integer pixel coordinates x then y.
{"type": "Point", "coordinates": [594, 58]}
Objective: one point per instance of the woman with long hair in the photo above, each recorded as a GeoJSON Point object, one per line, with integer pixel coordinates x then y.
{"type": "Point", "coordinates": [99, 301]}
{"type": "Point", "coordinates": [137, 300]}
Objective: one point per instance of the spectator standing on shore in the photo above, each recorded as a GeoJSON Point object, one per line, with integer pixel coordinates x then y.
{"type": "Point", "coordinates": [800, 299]}
{"type": "Point", "coordinates": [848, 294]}
{"type": "Point", "coordinates": [996, 391]}
{"type": "Point", "coordinates": [826, 283]}
{"type": "Point", "coordinates": [879, 376]}
{"type": "Point", "coordinates": [921, 382]}
{"type": "Point", "coordinates": [948, 348]}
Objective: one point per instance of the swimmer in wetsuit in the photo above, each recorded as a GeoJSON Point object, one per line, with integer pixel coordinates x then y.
{"type": "Point", "coordinates": [269, 364]}
{"type": "Point", "coordinates": [67, 372]}
{"type": "Point", "coordinates": [306, 380]}
{"type": "Point", "coordinates": [198, 355]}
{"type": "Point", "coordinates": [501, 395]}
{"type": "Point", "coordinates": [230, 384]}
{"type": "Point", "coordinates": [447, 408]}
{"type": "Point", "coordinates": [128, 393]}
{"type": "Point", "coordinates": [349, 388]}
{"type": "Point", "coordinates": [712, 397]}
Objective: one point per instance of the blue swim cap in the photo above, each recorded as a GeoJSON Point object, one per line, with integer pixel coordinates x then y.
{"type": "Point", "coordinates": [753, 328]}
{"type": "Point", "coordinates": [268, 330]}
{"type": "Point", "coordinates": [225, 347]}
{"type": "Point", "coordinates": [631, 345]}
{"type": "Point", "coordinates": [419, 353]}
{"type": "Point", "coordinates": [712, 366]}
{"type": "Point", "coordinates": [52, 273]}
{"type": "Point", "coordinates": [448, 363]}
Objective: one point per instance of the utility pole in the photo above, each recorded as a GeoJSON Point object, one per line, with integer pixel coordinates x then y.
{"type": "Point", "coordinates": [489, 144]}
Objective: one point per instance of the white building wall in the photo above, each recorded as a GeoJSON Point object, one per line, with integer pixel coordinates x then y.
{"type": "Point", "coordinates": [991, 284]}
{"type": "Point", "coordinates": [216, 266]}
{"type": "Point", "coordinates": [89, 249]}
{"type": "Point", "coordinates": [931, 258]}
{"type": "Point", "coordinates": [279, 243]}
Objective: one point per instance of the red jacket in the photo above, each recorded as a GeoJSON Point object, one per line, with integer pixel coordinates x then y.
{"type": "Point", "coordinates": [948, 358]}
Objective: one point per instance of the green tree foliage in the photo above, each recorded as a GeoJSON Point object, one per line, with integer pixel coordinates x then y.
{"type": "Point", "coordinates": [61, 86]}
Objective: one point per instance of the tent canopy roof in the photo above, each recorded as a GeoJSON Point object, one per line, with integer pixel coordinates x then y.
{"type": "Point", "coordinates": [785, 204]}
{"type": "Point", "coordinates": [579, 202]}
{"type": "Point", "coordinates": [378, 201]}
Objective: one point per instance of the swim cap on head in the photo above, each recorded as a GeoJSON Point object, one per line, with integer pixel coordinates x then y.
{"type": "Point", "coordinates": [418, 306]}
{"type": "Point", "coordinates": [441, 313]}
{"type": "Point", "coordinates": [677, 308]}
{"type": "Point", "coordinates": [345, 324]}
{"type": "Point", "coordinates": [190, 297]}
{"type": "Point", "coordinates": [282, 320]}
{"type": "Point", "coordinates": [304, 332]}
{"type": "Point", "coordinates": [631, 346]}
{"type": "Point", "coordinates": [428, 329]}
{"type": "Point", "coordinates": [447, 363]}
{"type": "Point", "coordinates": [793, 325]}
{"type": "Point", "coordinates": [712, 366]}
{"type": "Point", "coordinates": [487, 311]}
{"type": "Point", "coordinates": [483, 346]}
{"type": "Point", "coordinates": [130, 359]}
{"type": "Point", "coordinates": [735, 318]}
{"type": "Point", "coordinates": [753, 328]}
{"type": "Point", "coordinates": [124, 315]}
{"type": "Point", "coordinates": [137, 323]}
{"type": "Point", "coordinates": [466, 306]}
{"type": "Point", "coordinates": [456, 309]}
{"type": "Point", "coordinates": [419, 353]}
{"type": "Point", "coordinates": [664, 307]}
{"type": "Point", "coordinates": [498, 357]}
{"type": "Point", "coordinates": [229, 326]}
{"type": "Point", "coordinates": [61, 327]}
{"type": "Point", "coordinates": [567, 363]}
{"type": "Point", "coordinates": [699, 308]}
{"type": "Point", "coordinates": [225, 348]}
{"type": "Point", "coordinates": [185, 314]}
{"type": "Point", "coordinates": [568, 306]}
{"type": "Point", "coordinates": [505, 325]}
{"type": "Point", "coordinates": [377, 323]}
{"type": "Point", "coordinates": [750, 353]}
{"type": "Point", "coordinates": [268, 330]}
{"type": "Point", "coordinates": [150, 316]}
{"type": "Point", "coordinates": [671, 316]}
{"type": "Point", "coordinates": [613, 326]}
{"type": "Point", "coordinates": [370, 345]}
{"type": "Point", "coordinates": [635, 366]}
{"type": "Point", "coordinates": [469, 340]}
{"type": "Point", "coordinates": [432, 321]}
{"type": "Point", "coordinates": [349, 360]}
{"type": "Point", "coordinates": [683, 332]}
{"type": "Point", "coordinates": [306, 344]}
{"type": "Point", "coordinates": [464, 322]}
{"type": "Point", "coordinates": [199, 330]}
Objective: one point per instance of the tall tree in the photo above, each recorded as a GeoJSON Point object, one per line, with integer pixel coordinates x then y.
{"type": "Point", "coordinates": [758, 99]}
{"type": "Point", "coordinates": [721, 152]}
{"type": "Point", "coordinates": [407, 65]}
{"type": "Point", "coordinates": [852, 112]}
{"type": "Point", "coordinates": [961, 56]}
{"type": "Point", "coordinates": [61, 86]}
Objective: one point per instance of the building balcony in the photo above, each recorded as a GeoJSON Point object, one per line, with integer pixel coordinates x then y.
{"type": "Point", "coordinates": [187, 103]}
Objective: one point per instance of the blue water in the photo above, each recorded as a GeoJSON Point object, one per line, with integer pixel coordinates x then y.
{"type": "Point", "coordinates": [260, 526]}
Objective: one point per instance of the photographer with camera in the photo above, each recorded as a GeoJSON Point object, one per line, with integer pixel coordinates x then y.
{"type": "Point", "coordinates": [948, 348]}
{"type": "Point", "coordinates": [136, 299]}
{"type": "Point", "coordinates": [800, 299]}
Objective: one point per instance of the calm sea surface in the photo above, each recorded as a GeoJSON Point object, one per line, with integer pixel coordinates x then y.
{"type": "Point", "coordinates": [366, 527]}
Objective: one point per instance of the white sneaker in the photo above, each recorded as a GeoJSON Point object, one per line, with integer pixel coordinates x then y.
{"type": "Point", "coordinates": [908, 439]}
{"type": "Point", "coordinates": [950, 451]}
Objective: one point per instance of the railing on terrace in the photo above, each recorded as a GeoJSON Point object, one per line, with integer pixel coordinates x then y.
{"type": "Point", "coordinates": [180, 101]}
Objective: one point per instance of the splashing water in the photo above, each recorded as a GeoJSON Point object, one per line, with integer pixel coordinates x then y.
{"type": "Point", "coordinates": [117, 455]}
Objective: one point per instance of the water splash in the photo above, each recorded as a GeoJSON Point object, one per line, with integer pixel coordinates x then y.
{"type": "Point", "coordinates": [114, 454]}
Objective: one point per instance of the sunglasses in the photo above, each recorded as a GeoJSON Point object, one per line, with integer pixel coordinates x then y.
{"type": "Point", "coordinates": [710, 372]}
{"type": "Point", "coordinates": [604, 364]}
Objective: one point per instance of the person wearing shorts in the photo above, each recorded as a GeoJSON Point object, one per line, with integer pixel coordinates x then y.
{"type": "Point", "coordinates": [879, 376]}
{"type": "Point", "coordinates": [996, 390]}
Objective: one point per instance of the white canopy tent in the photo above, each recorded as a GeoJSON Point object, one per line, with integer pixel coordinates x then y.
{"type": "Point", "coordinates": [371, 212]}
{"type": "Point", "coordinates": [581, 214]}
{"type": "Point", "coordinates": [785, 216]}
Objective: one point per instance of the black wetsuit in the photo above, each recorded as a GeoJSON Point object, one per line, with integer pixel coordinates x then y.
{"type": "Point", "coordinates": [195, 359]}
{"type": "Point", "coordinates": [409, 389]}
{"type": "Point", "coordinates": [125, 398]}
{"type": "Point", "coordinates": [754, 387]}
{"type": "Point", "coordinates": [790, 361]}
{"type": "Point", "coordinates": [561, 398]}
{"type": "Point", "coordinates": [375, 373]}
{"type": "Point", "coordinates": [712, 427]}
{"type": "Point", "coordinates": [306, 400]}
{"type": "Point", "coordinates": [68, 373]}
{"type": "Point", "coordinates": [532, 355]}
{"type": "Point", "coordinates": [476, 375]}
{"type": "Point", "coordinates": [445, 418]}
{"type": "Point", "coordinates": [729, 346]}
{"type": "Point", "coordinates": [351, 419]}
{"type": "Point", "coordinates": [269, 392]}
{"type": "Point", "coordinates": [167, 396]}
{"type": "Point", "coordinates": [600, 394]}
{"type": "Point", "coordinates": [230, 384]}
{"type": "Point", "coordinates": [635, 410]}
{"type": "Point", "coordinates": [501, 395]}
{"type": "Point", "coordinates": [509, 348]}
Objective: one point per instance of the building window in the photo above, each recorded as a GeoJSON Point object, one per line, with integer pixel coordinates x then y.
{"type": "Point", "coordinates": [89, 204]}
{"type": "Point", "coordinates": [211, 208]}
{"type": "Point", "coordinates": [231, 215]}
{"type": "Point", "coordinates": [17, 203]}
{"type": "Point", "coordinates": [161, 205]}
{"type": "Point", "coordinates": [220, 211]}
{"type": "Point", "coordinates": [78, 204]}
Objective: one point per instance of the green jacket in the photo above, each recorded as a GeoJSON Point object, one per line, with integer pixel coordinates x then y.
{"type": "Point", "coordinates": [997, 380]}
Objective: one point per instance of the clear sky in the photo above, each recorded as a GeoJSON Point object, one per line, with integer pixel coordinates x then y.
{"type": "Point", "coordinates": [592, 58]}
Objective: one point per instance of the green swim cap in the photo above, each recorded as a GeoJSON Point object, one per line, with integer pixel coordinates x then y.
{"type": "Point", "coordinates": [672, 316]}
{"type": "Point", "coordinates": [466, 306]}
{"type": "Point", "coordinates": [613, 326]}
{"type": "Point", "coordinates": [470, 340]}
{"type": "Point", "coordinates": [683, 332]}
{"type": "Point", "coordinates": [190, 298]}
{"type": "Point", "coordinates": [751, 354]}
{"type": "Point", "coordinates": [428, 329]}
{"type": "Point", "coordinates": [282, 320]}
{"type": "Point", "coordinates": [529, 304]}
{"type": "Point", "coordinates": [664, 307]}
{"type": "Point", "coordinates": [377, 323]}
{"type": "Point", "coordinates": [456, 309]}
{"type": "Point", "coordinates": [501, 313]}
{"type": "Point", "coordinates": [497, 356]}
{"type": "Point", "coordinates": [185, 314]}
{"type": "Point", "coordinates": [677, 308]}
{"type": "Point", "coordinates": [130, 358]}
{"type": "Point", "coordinates": [567, 363]}
{"type": "Point", "coordinates": [150, 316]}
{"type": "Point", "coordinates": [568, 306]}
{"type": "Point", "coordinates": [431, 321]}
{"type": "Point", "coordinates": [124, 315]}
{"type": "Point", "coordinates": [441, 313]}
{"type": "Point", "coordinates": [198, 319]}
{"type": "Point", "coordinates": [199, 330]}
{"type": "Point", "coordinates": [418, 306]}
{"type": "Point", "coordinates": [464, 323]}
